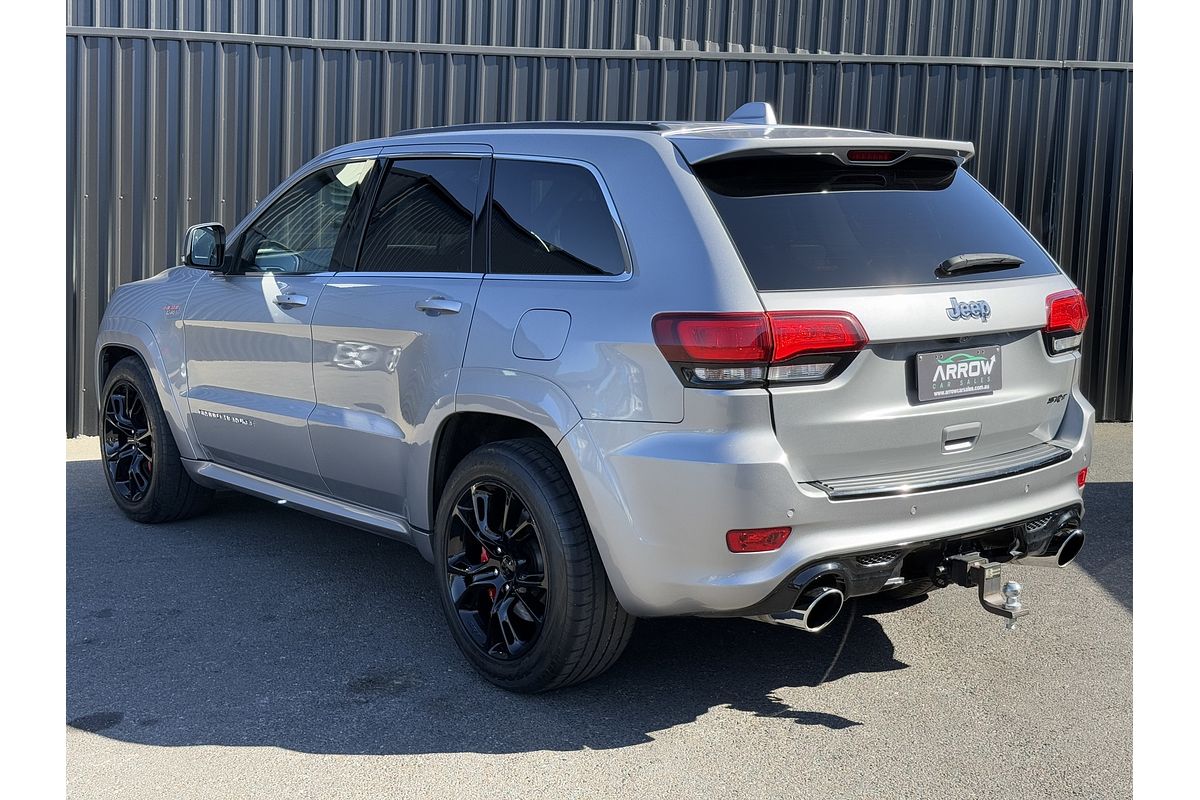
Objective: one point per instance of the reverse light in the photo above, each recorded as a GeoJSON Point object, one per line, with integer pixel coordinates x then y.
{"type": "Point", "coordinates": [756, 540]}
{"type": "Point", "coordinates": [746, 349]}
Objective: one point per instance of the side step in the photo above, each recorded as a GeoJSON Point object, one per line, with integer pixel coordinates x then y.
{"type": "Point", "coordinates": [213, 475]}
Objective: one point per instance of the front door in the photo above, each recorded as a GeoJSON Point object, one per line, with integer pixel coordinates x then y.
{"type": "Point", "coordinates": [248, 333]}
{"type": "Point", "coordinates": [389, 338]}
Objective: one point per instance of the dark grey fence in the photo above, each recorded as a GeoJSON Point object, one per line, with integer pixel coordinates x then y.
{"type": "Point", "coordinates": [166, 128]}
{"type": "Point", "coordinates": [1095, 30]}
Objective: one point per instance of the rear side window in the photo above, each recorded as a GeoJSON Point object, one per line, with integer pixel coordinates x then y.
{"type": "Point", "coordinates": [551, 218]}
{"type": "Point", "coordinates": [811, 222]}
{"type": "Point", "coordinates": [422, 217]}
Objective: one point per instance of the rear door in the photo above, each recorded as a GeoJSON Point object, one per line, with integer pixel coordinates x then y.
{"type": "Point", "coordinates": [957, 368]}
{"type": "Point", "coordinates": [388, 338]}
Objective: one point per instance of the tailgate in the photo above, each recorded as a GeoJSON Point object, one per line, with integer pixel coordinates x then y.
{"type": "Point", "coordinates": [870, 418]}
{"type": "Point", "coordinates": [950, 290]}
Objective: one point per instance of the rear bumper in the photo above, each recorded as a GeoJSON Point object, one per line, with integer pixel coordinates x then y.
{"type": "Point", "coordinates": [660, 499]}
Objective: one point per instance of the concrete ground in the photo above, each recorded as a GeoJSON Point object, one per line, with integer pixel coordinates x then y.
{"type": "Point", "coordinates": [257, 651]}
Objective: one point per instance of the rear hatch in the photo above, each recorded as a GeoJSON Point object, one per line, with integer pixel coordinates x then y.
{"type": "Point", "coordinates": [950, 290]}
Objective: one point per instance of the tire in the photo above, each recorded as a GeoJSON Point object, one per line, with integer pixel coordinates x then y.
{"type": "Point", "coordinates": [547, 620]}
{"type": "Point", "coordinates": [908, 591]}
{"type": "Point", "coordinates": [138, 453]}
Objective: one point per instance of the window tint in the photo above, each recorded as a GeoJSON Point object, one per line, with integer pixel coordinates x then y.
{"type": "Point", "coordinates": [422, 218]}
{"type": "Point", "coordinates": [811, 222]}
{"type": "Point", "coordinates": [551, 219]}
{"type": "Point", "coordinates": [298, 232]}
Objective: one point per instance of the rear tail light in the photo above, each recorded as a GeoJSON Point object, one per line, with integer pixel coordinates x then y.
{"type": "Point", "coordinates": [1081, 478]}
{"type": "Point", "coordinates": [747, 349]}
{"type": "Point", "coordinates": [756, 540]}
{"type": "Point", "coordinates": [1066, 319]}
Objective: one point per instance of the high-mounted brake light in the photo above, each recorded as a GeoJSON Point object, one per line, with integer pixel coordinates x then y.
{"type": "Point", "coordinates": [873, 155]}
{"type": "Point", "coordinates": [1066, 319]}
{"type": "Point", "coordinates": [744, 349]}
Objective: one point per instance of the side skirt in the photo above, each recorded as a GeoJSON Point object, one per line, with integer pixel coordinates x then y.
{"type": "Point", "coordinates": [207, 473]}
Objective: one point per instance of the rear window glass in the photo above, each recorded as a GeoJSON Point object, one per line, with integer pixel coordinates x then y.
{"type": "Point", "coordinates": [811, 222]}
{"type": "Point", "coordinates": [550, 218]}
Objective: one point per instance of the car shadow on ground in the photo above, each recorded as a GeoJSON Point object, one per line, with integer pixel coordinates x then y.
{"type": "Point", "coordinates": [1107, 557]}
{"type": "Point", "coordinates": [255, 625]}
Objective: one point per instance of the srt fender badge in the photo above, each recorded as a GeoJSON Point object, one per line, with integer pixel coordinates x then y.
{"type": "Point", "coordinates": [1057, 398]}
{"type": "Point", "coordinates": [972, 308]}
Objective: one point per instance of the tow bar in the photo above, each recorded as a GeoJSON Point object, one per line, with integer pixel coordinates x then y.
{"type": "Point", "coordinates": [1003, 600]}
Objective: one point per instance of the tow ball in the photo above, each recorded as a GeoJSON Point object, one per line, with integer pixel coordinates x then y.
{"type": "Point", "coordinates": [1001, 599]}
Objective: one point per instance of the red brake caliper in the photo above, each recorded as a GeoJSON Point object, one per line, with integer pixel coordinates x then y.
{"type": "Point", "coordinates": [483, 557]}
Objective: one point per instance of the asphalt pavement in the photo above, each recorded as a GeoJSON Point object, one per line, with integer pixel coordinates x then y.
{"type": "Point", "coordinates": [260, 652]}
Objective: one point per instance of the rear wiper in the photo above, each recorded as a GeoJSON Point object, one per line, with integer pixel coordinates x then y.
{"type": "Point", "coordinates": [976, 262]}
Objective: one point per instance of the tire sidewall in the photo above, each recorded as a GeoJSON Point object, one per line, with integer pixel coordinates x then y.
{"type": "Point", "coordinates": [496, 463]}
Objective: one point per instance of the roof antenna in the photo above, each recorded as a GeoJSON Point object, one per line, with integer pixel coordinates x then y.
{"type": "Point", "coordinates": [753, 114]}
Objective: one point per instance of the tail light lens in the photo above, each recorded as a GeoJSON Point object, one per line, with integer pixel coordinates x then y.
{"type": "Point", "coordinates": [1066, 319]}
{"type": "Point", "coordinates": [1081, 478]}
{"type": "Point", "coordinates": [756, 540]}
{"type": "Point", "coordinates": [748, 349]}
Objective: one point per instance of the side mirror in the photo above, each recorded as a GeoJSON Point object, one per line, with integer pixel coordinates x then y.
{"type": "Point", "coordinates": [204, 246]}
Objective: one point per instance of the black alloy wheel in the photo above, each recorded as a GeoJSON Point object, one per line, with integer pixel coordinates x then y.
{"type": "Point", "coordinates": [142, 465]}
{"type": "Point", "coordinates": [496, 570]}
{"type": "Point", "coordinates": [128, 442]}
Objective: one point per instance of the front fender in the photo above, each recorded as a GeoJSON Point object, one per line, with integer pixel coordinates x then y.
{"type": "Point", "coordinates": [137, 336]}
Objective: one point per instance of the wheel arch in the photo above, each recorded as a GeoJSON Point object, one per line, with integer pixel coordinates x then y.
{"type": "Point", "coordinates": [122, 337]}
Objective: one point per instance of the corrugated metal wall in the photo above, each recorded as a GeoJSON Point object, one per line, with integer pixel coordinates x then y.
{"type": "Point", "coordinates": [166, 128]}
{"type": "Point", "coordinates": [1095, 30]}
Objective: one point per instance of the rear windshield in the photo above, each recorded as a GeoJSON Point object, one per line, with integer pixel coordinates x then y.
{"type": "Point", "coordinates": [811, 222]}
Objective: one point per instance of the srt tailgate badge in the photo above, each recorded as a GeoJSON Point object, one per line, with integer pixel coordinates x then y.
{"type": "Point", "coordinates": [973, 308]}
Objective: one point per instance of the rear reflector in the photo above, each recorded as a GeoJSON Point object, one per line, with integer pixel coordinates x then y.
{"type": "Point", "coordinates": [756, 540]}
{"type": "Point", "coordinates": [1081, 478]}
{"type": "Point", "coordinates": [873, 155]}
{"type": "Point", "coordinates": [1066, 311]}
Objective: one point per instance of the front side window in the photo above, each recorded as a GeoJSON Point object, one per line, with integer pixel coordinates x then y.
{"type": "Point", "coordinates": [422, 218]}
{"type": "Point", "coordinates": [297, 234]}
{"type": "Point", "coordinates": [551, 218]}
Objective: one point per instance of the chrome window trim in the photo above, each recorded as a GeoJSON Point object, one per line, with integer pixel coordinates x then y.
{"type": "Point", "coordinates": [622, 239]}
{"type": "Point", "coordinates": [439, 275]}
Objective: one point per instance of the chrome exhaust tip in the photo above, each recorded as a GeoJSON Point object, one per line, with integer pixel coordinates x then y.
{"type": "Point", "coordinates": [1062, 549]}
{"type": "Point", "coordinates": [814, 610]}
{"type": "Point", "coordinates": [818, 607]}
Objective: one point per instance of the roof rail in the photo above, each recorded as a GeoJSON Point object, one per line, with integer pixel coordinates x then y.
{"type": "Point", "coordinates": [753, 114]}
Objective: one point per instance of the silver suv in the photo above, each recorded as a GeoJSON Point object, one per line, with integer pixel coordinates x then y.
{"type": "Point", "coordinates": [597, 371]}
